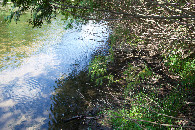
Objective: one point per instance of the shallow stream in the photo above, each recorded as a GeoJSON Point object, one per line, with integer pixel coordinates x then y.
{"type": "Point", "coordinates": [32, 59]}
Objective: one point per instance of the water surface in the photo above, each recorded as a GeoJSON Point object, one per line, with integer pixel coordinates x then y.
{"type": "Point", "coordinates": [31, 60]}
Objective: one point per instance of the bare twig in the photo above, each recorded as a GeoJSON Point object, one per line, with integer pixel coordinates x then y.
{"type": "Point", "coordinates": [165, 114]}
{"type": "Point", "coordinates": [155, 123]}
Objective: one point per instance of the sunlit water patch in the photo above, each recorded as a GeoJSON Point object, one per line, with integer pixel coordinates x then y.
{"type": "Point", "coordinates": [25, 90]}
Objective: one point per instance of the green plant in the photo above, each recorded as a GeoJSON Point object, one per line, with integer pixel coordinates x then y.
{"type": "Point", "coordinates": [98, 66]}
{"type": "Point", "coordinates": [98, 70]}
{"type": "Point", "coordinates": [135, 75]}
{"type": "Point", "coordinates": [147, 111]}
{"type": "Point", "coordinates": [183, 67]}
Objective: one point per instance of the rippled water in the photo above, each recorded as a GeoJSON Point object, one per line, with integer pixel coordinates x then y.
{"type": "Point", "coordinates": [26, 87]}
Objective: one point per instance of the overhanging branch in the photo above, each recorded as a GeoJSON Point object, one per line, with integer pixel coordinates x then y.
{"type": "Point", "coordinates": [126, 14]}
{"type": "Point", "coordinates": [146, 17]}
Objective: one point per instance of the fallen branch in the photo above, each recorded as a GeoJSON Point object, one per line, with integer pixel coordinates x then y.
{"type": "Point", "coordinates": [78, 118]}
{"type": "Point", "coordinates": [155, 123]}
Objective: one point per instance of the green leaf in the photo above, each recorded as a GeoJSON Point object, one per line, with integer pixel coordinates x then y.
{"type": "Point", "coordinates": [91, 6]}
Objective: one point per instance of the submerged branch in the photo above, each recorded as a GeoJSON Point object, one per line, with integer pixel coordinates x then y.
{"type": "Point", "coordinates": [77, 118]}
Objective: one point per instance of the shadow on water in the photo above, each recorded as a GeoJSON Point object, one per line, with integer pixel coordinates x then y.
{"type": "Point", "coordinates": [77, 102]}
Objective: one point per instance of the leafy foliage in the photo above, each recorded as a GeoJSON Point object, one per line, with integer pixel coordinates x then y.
{"type": "Point", "coordinates": [147, 112]}
{"type": "Point", "coordinates": [143, 109]}
{"type": "Point", "coordinates": [99, 10]}
{"type": "Point", "coordinates": [98, 70]}
{"type": "Point", "coordinates": [184, 67]}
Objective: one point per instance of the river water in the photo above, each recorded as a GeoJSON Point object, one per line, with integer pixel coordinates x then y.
{"type": "Point", "coordinates": [33, 59]}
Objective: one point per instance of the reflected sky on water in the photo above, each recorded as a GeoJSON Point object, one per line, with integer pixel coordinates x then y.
{"type": "Point", "coordinates": [25, 89]}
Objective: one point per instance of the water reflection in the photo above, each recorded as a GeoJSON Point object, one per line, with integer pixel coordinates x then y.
{"type": "Point", "coordinates": [25, 89]}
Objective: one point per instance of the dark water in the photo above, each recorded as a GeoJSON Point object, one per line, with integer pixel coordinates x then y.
{"type": "Point", "coordinates": [32, 60]}
{"type": "Point", "coordinates": [78, 102]}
